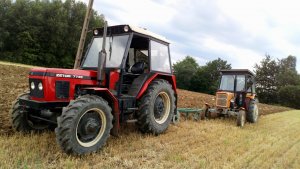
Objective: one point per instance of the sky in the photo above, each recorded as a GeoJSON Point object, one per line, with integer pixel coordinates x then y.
{"type": "Point", "coordinates": [241, 32]}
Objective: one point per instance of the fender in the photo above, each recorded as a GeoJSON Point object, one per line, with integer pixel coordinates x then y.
{"type": "Point", "coordinates": [109, 97]}
{"type": "Point", "coordinates": [170, 78]}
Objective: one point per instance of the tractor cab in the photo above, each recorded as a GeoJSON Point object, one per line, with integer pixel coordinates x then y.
{"type": "Point", "coordinates": [129, 62]}
{"type": "Point", "coordinates": [236, 96]}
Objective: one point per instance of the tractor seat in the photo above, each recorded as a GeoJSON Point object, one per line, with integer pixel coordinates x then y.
{"type": "Point", "coordinates": [137, 68]}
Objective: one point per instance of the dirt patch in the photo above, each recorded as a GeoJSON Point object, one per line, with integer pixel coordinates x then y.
{"type": "Point", "coordinates": [14, 81]}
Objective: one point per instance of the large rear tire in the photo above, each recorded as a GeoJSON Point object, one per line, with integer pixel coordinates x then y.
{"type": "Point", "coordinates": [253, 113]}
{"type": "Point", "coordinates": [84, 125]}
{"type": "Point", "coordinates": [21, 120]}
{"type": "Point", "coordinates": [156, 107]}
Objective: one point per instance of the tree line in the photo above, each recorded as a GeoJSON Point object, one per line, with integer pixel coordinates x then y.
{"type": "Point", "coordinates": [43, 32]}
{"type": "Point", "coordinates": [277, 81]}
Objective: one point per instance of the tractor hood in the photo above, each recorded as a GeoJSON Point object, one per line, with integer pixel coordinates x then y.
{"type": "Point", "coordinates": [52, 85]}
{"type": "Point", "coordinates": [64, 73]}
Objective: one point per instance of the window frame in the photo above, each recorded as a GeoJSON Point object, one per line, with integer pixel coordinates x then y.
{"type": "Point", "coordinates": [90, 45]}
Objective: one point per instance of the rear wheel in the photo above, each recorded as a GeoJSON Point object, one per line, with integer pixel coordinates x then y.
{"type": "Point", "coordinates": [84, 125]}
{"type": "Point", "coordinates": [252, 114]}
{"type": "Point", "coordinates": [241, 118]}
{"type": "Point", "coordinates": [156, 108]}
{"type": "Point", "coordinates": [21, 120]}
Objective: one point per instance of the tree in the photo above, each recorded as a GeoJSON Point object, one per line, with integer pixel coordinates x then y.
{"type": "Point", "coordinates": [289, 96]}
{"type": "Point", "coordinates": [266, 77]}
{"type": "Point", "coordinates": [206, 79]}
{"type": "Point", "coordinates": [184, 71]}
{"type": "Point", "coordinates": [43, 32]}
{"type": "Point", "coordinates": [273, 77]}
{"type": "Point", "coordinates": [287, 74]}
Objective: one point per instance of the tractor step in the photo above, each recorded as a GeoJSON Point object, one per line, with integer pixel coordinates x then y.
{"type": "Point", "coordinates": [131, 121]}
{"type": "Point", "coordinates": [133, 109]}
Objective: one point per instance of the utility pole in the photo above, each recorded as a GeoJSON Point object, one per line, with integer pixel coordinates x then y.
{"type": "Point", "coordinates": [83, 34]}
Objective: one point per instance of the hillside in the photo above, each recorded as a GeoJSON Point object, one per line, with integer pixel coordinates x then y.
{"type": "Point", "coordinates": [14, 81]}
{"type": "Point", "coordinates": [273, 142]}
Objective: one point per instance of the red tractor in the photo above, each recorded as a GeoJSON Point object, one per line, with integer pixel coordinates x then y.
{"type": "Point", "coordinates": [126, 75]}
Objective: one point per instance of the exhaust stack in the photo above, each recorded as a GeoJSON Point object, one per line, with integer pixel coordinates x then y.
{"type": "Point", "coordinates": [102, 56]}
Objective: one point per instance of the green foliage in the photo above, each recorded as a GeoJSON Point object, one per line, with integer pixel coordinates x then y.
{"type": "Point", "coordinates": [205, 79]}
{"type": "Point", "coordinates": [266, 77]}
{"type": "Point", "coordinates": [44, 33]}
{"type": "Point", "coordinates": [184, 71]}
{"type": "Point", "coordinates": [290, 96]}
{"type": "Point", "coordinates": [277, 80]}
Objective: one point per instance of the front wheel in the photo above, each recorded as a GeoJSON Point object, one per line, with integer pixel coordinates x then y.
{"type": "Point", "coordinates": [156, 108]}
{"type": "Point", "coordinates": [84, 125]}
{"type": "Point", "coordinates": [21, 119]}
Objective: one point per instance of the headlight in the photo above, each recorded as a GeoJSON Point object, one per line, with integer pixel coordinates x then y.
{"type": "Point", "coordinates": [32, 86]}
{"type": "Point", "coordinates": [40, 86]}
{"type": "Point", "coordinates": [96, 32]}
{"type": "Point", "coordinates": [126, 28]}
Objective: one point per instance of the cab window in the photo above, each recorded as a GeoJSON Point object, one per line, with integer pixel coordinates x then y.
{"type": "Point", "coordinates": [160, 59]}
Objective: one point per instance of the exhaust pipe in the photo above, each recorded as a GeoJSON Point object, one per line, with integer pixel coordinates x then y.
{"type": "Point", "coordinates": [102, 56]}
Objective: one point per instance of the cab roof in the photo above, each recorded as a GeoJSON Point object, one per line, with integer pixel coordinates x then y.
{"type": "Point", "coordinates": [237, 71]}
{"type": "Point", "coordinates": [120, 29]}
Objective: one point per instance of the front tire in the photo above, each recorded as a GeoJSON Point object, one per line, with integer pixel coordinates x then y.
{"type": "Point", "coordinates": [84, 125]}
{"type": "Point", "coordinates": [21, 120]}
{"type": "Point", "coordinates": [253, 113]}
{"type": "Point", "coordinates": [156, 107]}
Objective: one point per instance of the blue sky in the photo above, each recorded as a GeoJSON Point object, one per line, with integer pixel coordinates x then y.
{"type": "Point", "coordinates": [241, 32]}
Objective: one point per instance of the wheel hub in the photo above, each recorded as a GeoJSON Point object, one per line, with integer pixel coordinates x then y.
{"type": "Point", "coordinates": [159, 107]}
{"type": "Point", "coordinates": [89, 127]}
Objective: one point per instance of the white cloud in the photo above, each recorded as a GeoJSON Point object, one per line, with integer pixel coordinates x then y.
{"type": "Point", "coordinates": [238, 31]}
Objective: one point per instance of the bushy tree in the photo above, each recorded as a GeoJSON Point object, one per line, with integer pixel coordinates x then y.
{"type": "Point", "coordinates": [44, 33]}
{"type": "Point", "coordinates": [266, 77]}
{"type": "Point", "coordinates": [206, 79]}
{"type": "Point", "coordinates": [273, 77]}
{"type": "Point", "coordinates": [184, 71]}
{"type": "Point", "coordinates": [290, 96]}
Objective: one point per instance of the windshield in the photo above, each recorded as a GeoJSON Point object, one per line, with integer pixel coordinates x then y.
{"type": "Point", "coordinates": [240, 83]}
{"type": "Point", "coordinates": [115, 48]}
{"type": "Point", "coordinates": [227, 83]}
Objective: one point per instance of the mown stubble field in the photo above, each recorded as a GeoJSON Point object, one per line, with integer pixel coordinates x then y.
{"type": "Point", "coordinates": [274, 142]}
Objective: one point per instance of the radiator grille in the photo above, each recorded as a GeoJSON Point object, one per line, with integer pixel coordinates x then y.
{"type": "Point", "coordinates": [62, 89]}
{"type": "Point", "coordinates": [222, 99]}
{"type": "Point", "coordinates": [36, 92]}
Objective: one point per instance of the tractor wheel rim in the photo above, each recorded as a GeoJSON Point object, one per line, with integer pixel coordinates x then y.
{"type": "Point", "coordinates": [90, 127]}
{"type": "Point", "coordinates": [163, 108]}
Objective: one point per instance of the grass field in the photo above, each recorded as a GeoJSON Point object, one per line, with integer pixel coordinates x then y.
{"type": "Point", "coordinates": [274, 142]}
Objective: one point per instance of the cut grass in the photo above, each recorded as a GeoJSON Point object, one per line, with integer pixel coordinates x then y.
{"type": "Point", "coordinates": [274, 142]}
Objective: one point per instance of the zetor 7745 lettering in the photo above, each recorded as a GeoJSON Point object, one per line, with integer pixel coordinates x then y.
{"type": "Point", "coordinates": [126, 75]}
